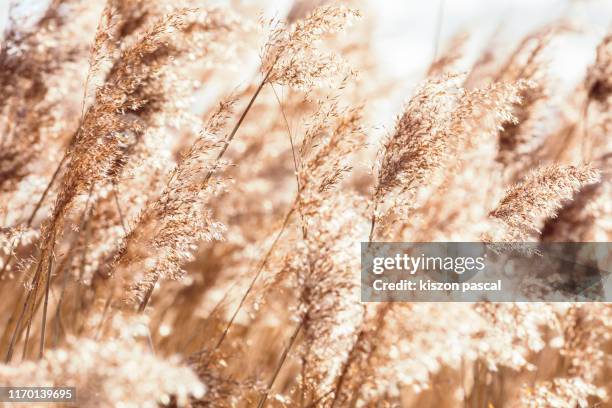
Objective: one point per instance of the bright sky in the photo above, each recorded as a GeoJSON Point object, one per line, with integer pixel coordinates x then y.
{"type": "Point", "coordinates": [406, 29]}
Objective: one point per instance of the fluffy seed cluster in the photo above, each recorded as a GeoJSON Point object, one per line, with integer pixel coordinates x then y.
{"type": "Point", "coordinates": [109, 373]}
{"type": "Point", "coordinates": [291, 55]}
{"type": "Point", "coordinates": [540, 196]}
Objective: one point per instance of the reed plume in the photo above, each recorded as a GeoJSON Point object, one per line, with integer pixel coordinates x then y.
{"type": "Point", "coordinates": [172, 219]}
{"type": "Point", "coordinates": [539, 196]}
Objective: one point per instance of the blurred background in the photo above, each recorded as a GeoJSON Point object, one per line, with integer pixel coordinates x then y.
{"type": "Point", "coordinates": [406, 31]}
{"type": "Point", "coordinates": [407, 35]}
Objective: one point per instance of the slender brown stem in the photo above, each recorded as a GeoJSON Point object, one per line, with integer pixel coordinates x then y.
{"type": "Point", "coordinates": [107, 304]}
{"type": "Point", "coordinates": [463, 387]}
{"type": "Point", "coordinates": [586, 142]}
{"type": "Point", "coordinates": [83, 224]}
{"type": "Point", "coordinates": [285, 353]}
{"type": "Point", "coordinates": [46, 304]}
{"type": "Point", "coordinates": [381, 323]}
{"type": "Point", "coordinates": [373, 222]}
{"type": "Point", "coordinates": [27, 335]}
{"type": "Point", "coordinates": [35, 283]}
{"type": "Point", "coordinates": [253, 281]}
{"type": "Point", "coordinates": [353, 354]}
{"type": "Point", "coordinates": [58, 308]}
{"type": "Point", "coordinates": [283, 358]}
{"type": "Point", "coordinates": [318, 400]}
{"type": "Point", "coordinates": [303, 383]}
{"type": "Point", "coordinates": [17, 330]}
{"type": "Point", "coordinates": [201, 327]}
{"type": "Point", "coordinates": [9, 256]}
{"type": "Point", "coordinates": [147, 297]}
{"type": "Point", "coordinates": [295, 162]}
{"type": "Point", "coordinates": [47, 189]}
{"type": "Point", "coordinates": [11, 347]}
{"type": "Point", "coordinates": [142, 306]}
{"type": "Point", "coordinates": [236, 127]}
{"type": "Point", "coordinates": [119, 210]}
{"type": "Point", "coordinates": [347, 364]}
{"type": "Point", "coordinates": [280, 364]}
{"type": "Point", "coordinates": [77, 297]}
